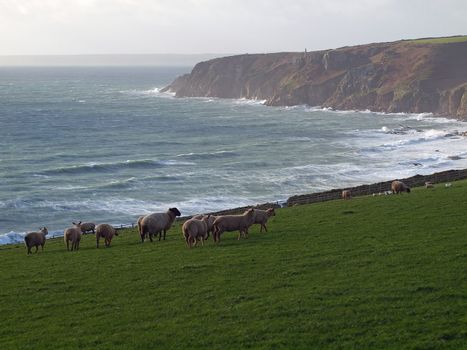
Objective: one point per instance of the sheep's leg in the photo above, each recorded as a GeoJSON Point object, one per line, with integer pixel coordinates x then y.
{"type": "Point", "coordinates": [67, 247]}
{"type": "Point", "coordinates": [42, 246]}
{"type": "Point", "coordinates": [142, 237]}
{"type": "Point", "coordinates": [265, 228]}
{"type": "Point", "coordinates": [37, 248]}
{"type": "Point", "coordinates": [165, 231]}
{"type": "Point", "coordinates": [150, 236]}
{"type": "Point", "coordinates": [97, 242]}
{"type": "Point", "coordinates": [160, 235]}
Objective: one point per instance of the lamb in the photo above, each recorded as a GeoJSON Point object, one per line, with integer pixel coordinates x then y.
{"type": "Point", "coordinates": [195, 229]}
{"type": "Point", "coordinates": [429, 185]}
{"type": "Point", "coordinates": [262, 217]}
{"type": "Point", "coordinates": [107, 232]}
{"type": "Point", "coordinates": [88, 227]}
{"type": "Point", "coordinates": [73, 234]}
{"type": "Point", "coordinates": [233, 223]}
{"type": "Point", "coordinates": [399, 186]}
{"type": "Point", "coordinates": [35, 239]}
{"type": "Point", "coordinates": [157, 223]}
{"type": "Point", "coordinates": [346, 194]}
{"type": "Point", "coordinates": [211, 219]}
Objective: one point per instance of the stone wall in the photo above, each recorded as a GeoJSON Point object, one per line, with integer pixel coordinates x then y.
{"type": "Point", "coordinates": [380, 187]}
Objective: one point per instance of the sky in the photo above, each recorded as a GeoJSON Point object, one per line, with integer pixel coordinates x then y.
{"type": "Point", "coordinates": [76, 27]}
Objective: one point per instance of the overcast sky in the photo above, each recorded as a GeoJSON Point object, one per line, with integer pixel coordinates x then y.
{"type": "Point", "coordinates": [217, 26]}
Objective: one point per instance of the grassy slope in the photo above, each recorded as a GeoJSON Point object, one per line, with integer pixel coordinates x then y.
{"type": "Point", "coordinates": [374, 272]}
{"type": "Point", "coordinates": [444, 40]}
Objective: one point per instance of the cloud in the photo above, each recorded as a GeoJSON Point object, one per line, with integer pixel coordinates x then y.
{"type": "Point", "coordinates": [196, 26]}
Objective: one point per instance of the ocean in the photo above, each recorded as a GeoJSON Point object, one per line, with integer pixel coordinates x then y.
{"type": "Point", "coordinates": [105, 145]}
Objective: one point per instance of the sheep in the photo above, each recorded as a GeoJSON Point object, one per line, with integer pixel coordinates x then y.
{"type": "Point", "coordinates": [35, 239]}
{"type": "Point", "coordinates": [211, 219]}
{"type": "Point", "coordinates": [429, 185]}
{"type": "Point", "coordinates": [88, 227]}
{"type": "Point", "coordinates": [107, 232]}
{"type": "Point", "coordinates": [346, 194]}
{"type": "Point", "coordinates": [157, 223]}
{"type": "Point", "coordinates": [233, 223]}
{"type": "Point", "coordinates": [448, 185]}
{"type": "Point", "coordinates": [399, 186]}
{"type": "Point", "coordinates": [195, 229]}
{"type": "Point", "coordinates": [138, 223]}
{"type": "Point", "coordinates": [262, 217]}
{"type": "Point", "coordinates": [73, 234]}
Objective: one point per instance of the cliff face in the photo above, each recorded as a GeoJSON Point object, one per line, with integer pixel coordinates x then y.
{"type": "Point", "coordinates": [405, 76]}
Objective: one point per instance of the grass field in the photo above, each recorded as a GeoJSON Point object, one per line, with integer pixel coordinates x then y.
{"type": "Point", "coordinates": [444, 40]}
{"type": "Point", "coordinates": [385, 272]}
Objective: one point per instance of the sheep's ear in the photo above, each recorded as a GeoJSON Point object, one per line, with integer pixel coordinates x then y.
{"type": "Point", "coordinates": [73, 223]}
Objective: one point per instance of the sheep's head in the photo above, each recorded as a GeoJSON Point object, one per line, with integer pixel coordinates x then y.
{"type": "Point", "coordinates": [77, 224]}
{"type": "Point", "coordinates": [250, 212]}
{"type": "Point", "coordinates": [44, 230]}
{"type": "Point", "coordinates": [175, 211]}
{"type": "Point", "coordinates": [271, 212]}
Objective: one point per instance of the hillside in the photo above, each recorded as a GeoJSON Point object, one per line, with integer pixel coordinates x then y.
{"type": "Point", "coordinates": [427, 75]}
{"type": "Point", "coordinates": [369, 273]}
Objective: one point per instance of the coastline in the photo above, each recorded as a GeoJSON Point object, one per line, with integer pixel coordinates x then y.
{"type": "Point", "coordinates": [378, 188]}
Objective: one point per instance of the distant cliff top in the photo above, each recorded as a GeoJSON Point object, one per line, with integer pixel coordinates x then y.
{"type": "Point", "coordinates": [413, 76]}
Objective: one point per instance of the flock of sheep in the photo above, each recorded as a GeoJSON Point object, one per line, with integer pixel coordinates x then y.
{"type": "Point", "coordinates": [194, 230]}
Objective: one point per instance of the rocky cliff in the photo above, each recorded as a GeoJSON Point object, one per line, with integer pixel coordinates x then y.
{"type": "Point", "coordinates": [405, 76]}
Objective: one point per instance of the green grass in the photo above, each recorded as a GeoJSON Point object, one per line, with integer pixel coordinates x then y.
{"type": "Point", "coordinates": [444, 40]}
{"type": "Point", "coordinates": [383, 272]}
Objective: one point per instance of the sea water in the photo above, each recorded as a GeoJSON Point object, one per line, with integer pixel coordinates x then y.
{"type": "Point", "coordinates": [105, 145]}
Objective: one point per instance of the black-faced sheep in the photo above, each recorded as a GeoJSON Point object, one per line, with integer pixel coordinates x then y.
{"type": "Point", "coordinates": [35, 239]}
{"type": "Point", "coordinates": [230, 223]}
{"type": "Point", "coordinates": [105, 231]}
{"type": "Point", "coordinates": [88, 227]}
{"type": "Point", "coordinates": [157, 223]}
{"type": "Point", "coordinates": [195, 230]}
{"type": "Point", "coordinates": [399, 187]}
{"type": "Point", "coordinates": [73, 235]}
{"type": "Point", "coordinates": [262, 217]}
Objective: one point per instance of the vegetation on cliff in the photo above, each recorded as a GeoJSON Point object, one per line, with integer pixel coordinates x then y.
{"type": "Point", "coordinates": [426, 75]}
{"type": "Point", "coordinates": [369, 273]}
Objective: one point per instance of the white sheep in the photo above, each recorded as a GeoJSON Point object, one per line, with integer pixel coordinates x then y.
{"type": "Point", "coordinates": [194, 230]}
{"type": "Point", "coordinates": [73, 234]}
{"type": "Point", "coordinates": [157, 223]}
{"type": "Point", "coordinates": [346, 194]}
{"type": "Point", "coordinates": [35, 239]}
{"type": "Point", "coordinates": [210, 222]}
{"type": "Point", "coordinates": [107, 232]}
{"type": "Point", "coordinates": [233, 223]}
{"type": "Point", "coordinates": [262, 217]}
{"type": "Point", "coordinates": [399, 186]}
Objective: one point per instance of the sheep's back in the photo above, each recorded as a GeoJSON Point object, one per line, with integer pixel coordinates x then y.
{"type": "Point", "coordinates": [72, 233]}
{"type": "Point", "coordinates": [34, 238]}
{"type": "Point", "coordinates": [105, 230]}
{"type": "Point", "coordinates": [156, 222]}
{"type": "Point", "coordinates": [231, 222]}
